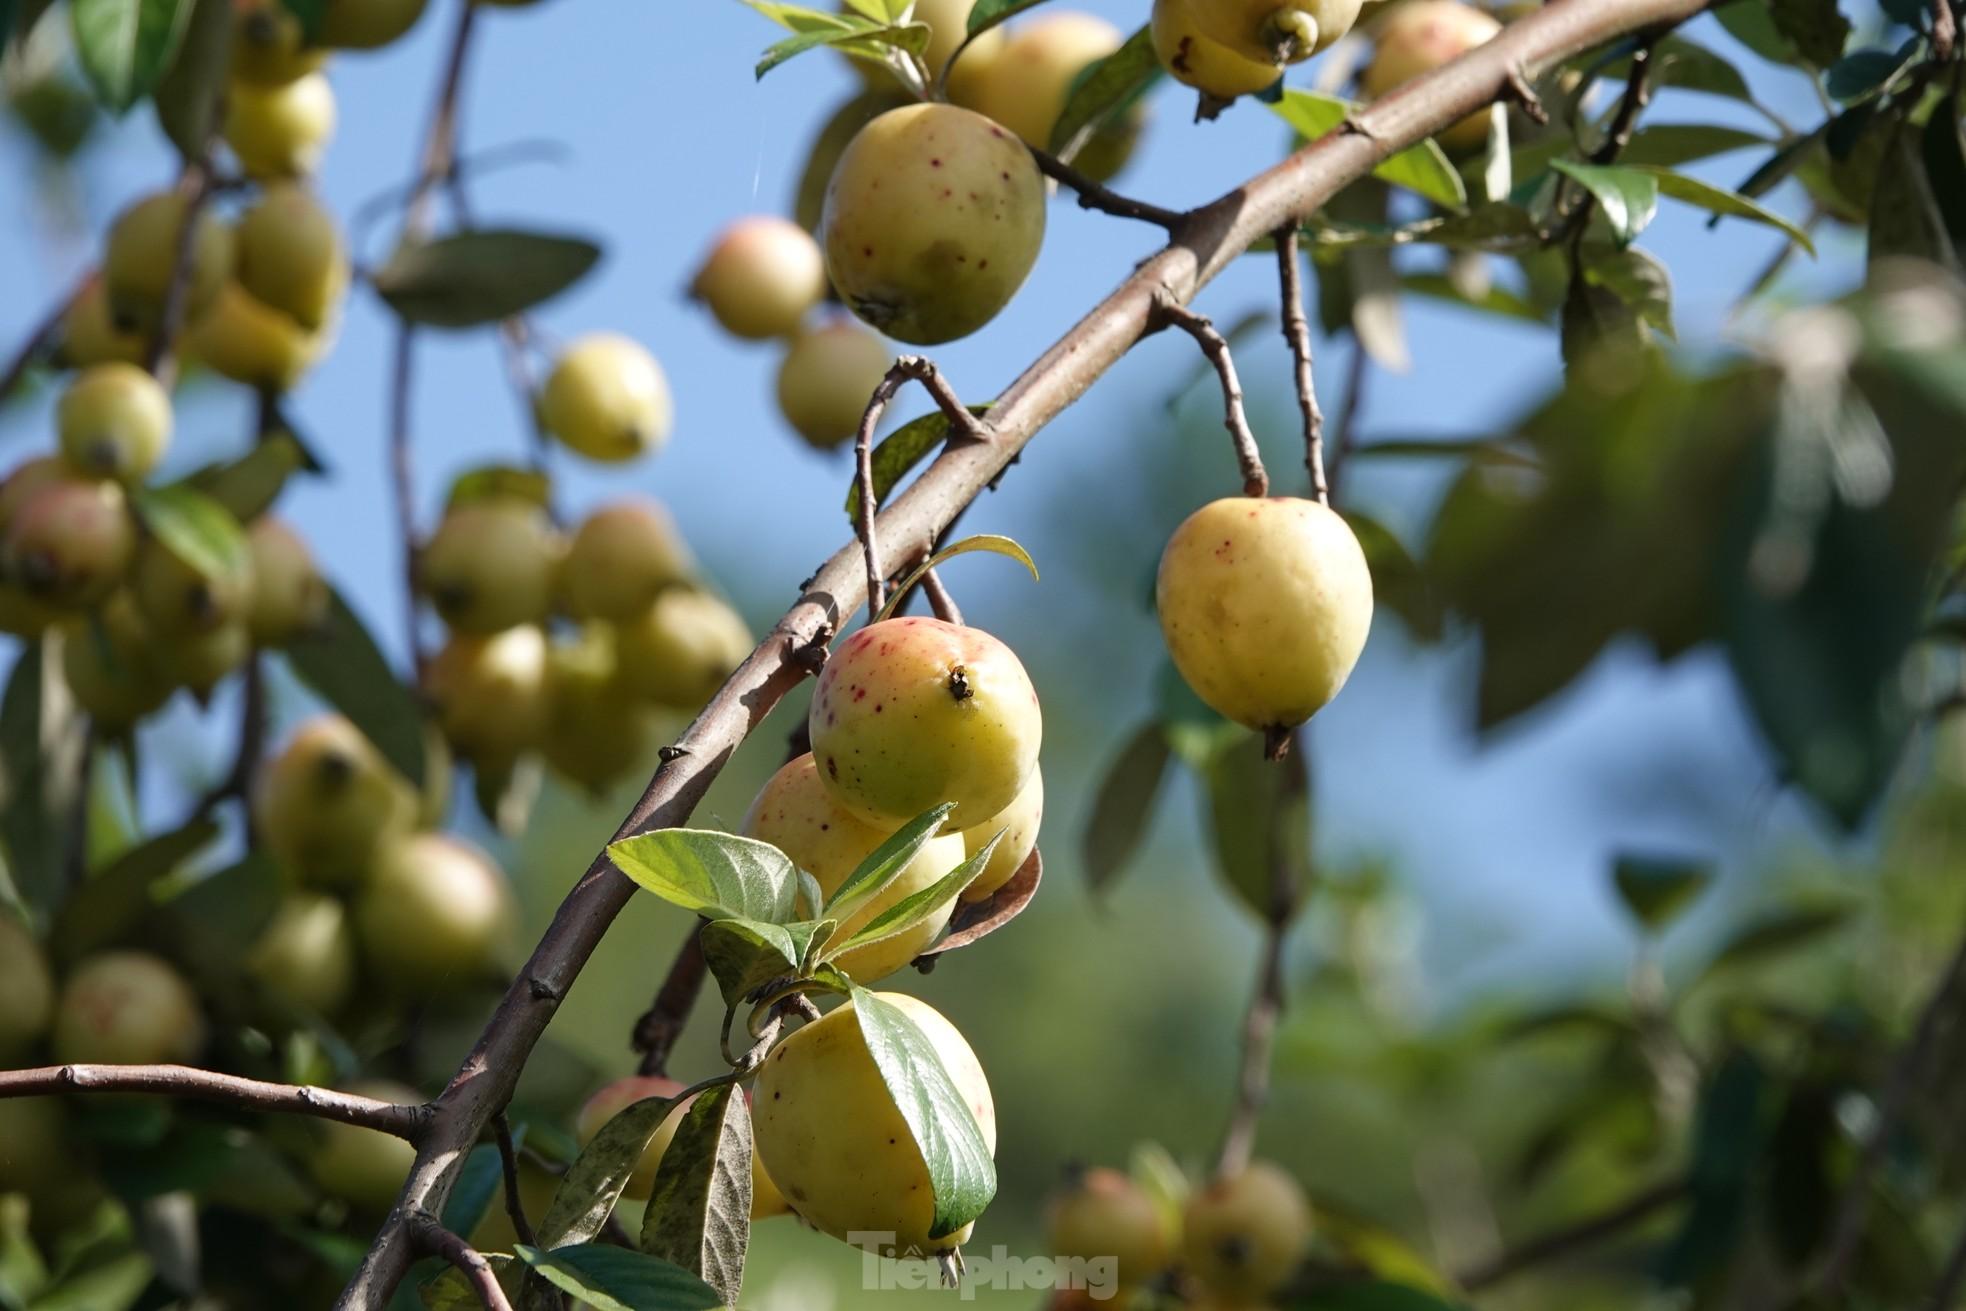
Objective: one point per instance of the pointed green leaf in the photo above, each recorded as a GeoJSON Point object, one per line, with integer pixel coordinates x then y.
{"type": "Point", "coordinates": [1423, 168]}
{"type": "Point", "coordinates": [248, 486]}
{"type": "Point", "coordinates": [587, 1192]}
{"type": "Point", "coordinates": [992, 542]}
{"type": "Point", "coordinates": [911, 910]}
{"type": "Point", "coordinates": [746, 954]}
{"type": "Point", "coordinates": [342, 662]}
{"type": "Point", "coordinates": [477, 1185]}
{"type": "Point", "coordinates": [195, 528]}
{"type": "Point", "coordinates": [900, 451]}
{"type": "Point", "coordinates": [1102, 91]}
{"type": "Point", "coordinates": [125, 45]}
{"type": "Point", "coordinates": [699, 1211]}
{"type": "Point", "coordinates": [1773, 934]}
{"type": "Point", "coordinates": [610, 1278]}
{"type": "Point", "coordinates": [886, 861]}
{"type": "Point", "coordinates": [1628, 197]}
{"type": "Point", "coordinates": [1656, 889]}
{"type": "Point", "coordinates": [986, 14]}
{"type": "Point", "coordinates": [474, 278]}
{"type": "Point", "coordinates": [1669, 145]}
{"type": "Point", "coordinates": [1123, 812]}
{"type": "Point", "coordinates": [1719, 200]}
{"type": "Point", "coordinates": [718, 875]}
{"type": "Point", "coordinates": [961, 1174]}
{"type": "Point", "coordinates": [114, 902]}
{"type": "Point", "coordinates": [1259, 815]}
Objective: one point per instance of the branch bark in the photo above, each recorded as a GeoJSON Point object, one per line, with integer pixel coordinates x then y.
{"type": "Point", "coordinates": [1297, 332]}
{"type": "Point", "coordinates": [229, 1089]}
{"type": "Point", "coordinates": [433, 1238]}
{"type": "Point", "coordinates": [1210, 239]}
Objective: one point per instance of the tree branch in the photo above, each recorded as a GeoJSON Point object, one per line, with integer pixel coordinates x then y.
{"type": "Point", "coordinates": [508, 1159]}
{"type": "Point", "coordinates": [1213, 237]}
{"type": "Point", "coordinates": [1255, 482]}
{"type": "Point", "coordinates": [1558, 1243]}
{"type": "Point", "coordinates": [1297, 332]}
{"type": "Point", "coordinates": [939, 599]}
{"type": "Point", "coordinates": [433, 1238]}
{"type": "Point", "coordinates": [229, 1089]}
{"type": "Point", "coordinates": [1096, 195]}
{"type": "Point", "coordinates": [195, 185]}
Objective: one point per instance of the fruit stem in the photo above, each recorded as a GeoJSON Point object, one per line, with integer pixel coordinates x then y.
{"type": "Point", "coordinates": [1255, 482]}
{"type": "Point", "coordinates": [1297, 332]}
{"type": "Point", "coordinates": [1095, 195]}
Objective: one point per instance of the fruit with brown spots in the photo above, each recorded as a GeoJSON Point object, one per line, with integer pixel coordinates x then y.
{"type": "Point", "coordinates": [1025, 84]}
{"type": "Point", "coordinates": [1275, 31]}
{"type": "Point", "coordinates": [621, 558]}
{"type": "Point", "coordinates": [836, 1144]}
{"type": "Point", "coordinates": [27, 994]}
{"type": "Point", "coordinates": [327, 803]}
{"type": "Point", "coordinates": [1196, 59]}
{"type": "Point", "coordinates": [490, 565]}
{"type": "Point", "coordinates": [1265, 605]}
{"type": "Point", "coordinates": [1419, 36]}
{"type": "Point", "coordinates": [435, 916]}
{"type": "Point", "coordinates": [306, 952]}
{"type": "Point", "coordinates": [607, 398]}
{"type": "Point", "coordinates": [1018, 822]}
{"type": "Point", "coordinates": [796, 813]}
{"type": "Point", "coordinates": [933, 219]}
{"type": "Point", "coordinates": [291, 257]}
{"type": "Point", "coordinates": [616, 1097]}
{"type": "Point", "coordinates": [762, 277]}
{"type": "Point", "coordinates": [1102, 1213]}
{"type": "Point", "coordinates": [364, 1167]}
{"type": "Point", "coordinates": [127, 1008]}
{"type": "Point", "coordinates": [912, 712]}
{"type": "Point", "coordinates": [280, 131]}
{"type": "Point", "coordinates": [826, 379]}
{"type": "Point", "coordinates": [71, 541]}
{"type": "Point", "coordinates": [1244, 1235]}
{"type": "Point", "coordinates": [289, 598]}
{"type": "Point", "coordinates": [114, 422]}
{"type": "Point", "coordinates": [490, 693]}
{"type": "Point", "coordinates": [141, 252]}
{"type": "Point", "coordinates": [679, 650]}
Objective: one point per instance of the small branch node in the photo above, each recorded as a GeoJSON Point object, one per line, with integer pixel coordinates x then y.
{"type": "Point", "coordinates": [674, 751]}
{"type": "Point", "coordinates": [811, 655]}
{"type": "Point", "coordinates": [1525, 95]}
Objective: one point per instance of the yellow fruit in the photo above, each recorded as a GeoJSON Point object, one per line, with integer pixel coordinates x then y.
{"type": "Point", "coordinates": [1265, 605]}
{"type": "Point", "coordinates": [913, 712]}
{"type": "Point", "coordinates": [797, 814]}
{"type": "Point", "coordinates": [110, 662]}
{"type": "Point", "coordinates": [436, 914]}
{"type": "Point", "coordinates": [622, 556]}
{"type": "Point", "coordinates": [761, 277]}
{"type": "Point", "coordinates": [616, 1097]}
{"type": "Point", "coordinates": [932, 221]}
{"type": "Point", "coordinates": [268, 48]}
{"type": "Point", "coordinates": [1024, 84]}
{"type": "Point", "coordinates": [1418, 36]}
{"type": "Point", "coordinates": [280, 131]}
{"type": "Point", "coordinates": [368, 24]}
{"type": "Point", "coordinates": [289, 597]}
{"type": "Point", "coordinates": [490, 565]}
{"type": "Point", "coordinates": [1275, 31]}
{"type": "Point", "coordinates": [90, 334]}
{"type": "Point", "coordinates": [679, 650]}
{"type": "Point", "coordinates": [35, 1155]}
{"type": "Point", "coordinates": [826, 379]}
{"type": "Point", "coordinates": [306, 953]}
{"type": "Point", "coordinates": [27, 996]}
{"type": "Point", "coordinates": [1192, 57]}
{"type": "Point", "coordinates": [328, 801]}
{"type": "Point", "coordinates": [597, 730]}
{"type": "Point", "coordinates": [1244, 1235]}
{"type": "Point", "coordinates": [199, 660]}
{"type": "Point", "coordinates": [127, 1008]}
{"type": "Point", "coordinates": [1104, 1214]}
{"type": "Point", "coordinates": [175, 598]}
{"type": "Point", "coordinates": [490, 693]}
{"type": "Point", "coordinates": [240, 338]}
{"type": "Point", "coordinates": [364, 1167]}
{"type": "Point", "coordinates": [114, 422]}
{"type": "Point", "coordinates": [290, 255]}
{"type": "Point", "coordinates": [71, 541]}
{"type": "Point", "coordinates": [142, 252]}
{"type": "Point", "coordinates": [607, 398]}
{"type": "Point", "coordinates": [1019, 824]}
{"type": "Point", "coordinates": [834, 136]}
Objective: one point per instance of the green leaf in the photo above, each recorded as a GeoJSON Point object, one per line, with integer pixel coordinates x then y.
{"type": "Point", "coordinates": [1259, 814]}
{"type": "Point", "coordinates": [1123, 811]}
{"type": "Point", "coordinates": [1906, 218]}
{"type": "Point", "coordinates": [195, 528]}
{"type": "Point", "coordinates": [992, 542]}
{"type": "Point", "coordinates": [113, 903]}
{"type": "Point", "coordinates": [916, 907]}
{"type": "Point", "coordinates": [1685, 64]}
{"type": "Point", "coordinates": [342, 663]}
{"type": "Point", "coordinates": [1752, 23]}
{"type": "Point", "coordinates": [1398, 582]}
{"type": "Point", "coordinates": [1945, 168]}
{"type": "Point", "coordinates": [125, 45]}
{"type": "Point", "coordinates": [746, 954]}
{"type": "Point", "coordinates": [491, 482]}
{"type": "Point", "coordinates": [718, 875]}
{"type": "Point", "coordinates": [587, 1192]}
{"type": "Point", "coordinates": [962, 1177]}
{"type": "Point", "coordinates": [1641, 282]}
{"type": "Point", "coordinates": [609, 1278]}
{"type": "Point", "coordinates": [1862, 74]}
{"type": "Point", "coordinates": [986, 14]}
{"type": "Point", "coordinates": [1718, 200]}
{"type": "Point", "coordinates": [1627, 197]}
{"type": "Point", "coordinates": [248, 486]}
{"type": "Point", "coordinates": [1729, 1129]}
{"type": "Point", "coordinates": [23, 1272]}
{"type": "Point", "coordinates": [699, 1211]}
{"type": "Point", "coordinates": [474, 278]}
{"type": "Point", "coordinates": [449, 1291]}
{"type": "Point", "coordinates": [1816, 28]}
{"type": "Point", "coordinates": [40, 766]}
{"type": "Point", "coordinates": [311, 14]}
{"type": "Point", "coordinates": [1775, 934]}
{"type": "Point", "coordinates": [478, 1185]}
{"type": "Point", "coordinates": [1423, 168]}
{"type": "Point", "coordinates": [900, 451]}
{"type": "Point", "coordinates": [1669, 145]}
{"type": "Point", "coordinates": [1103, 91]}
{"type": "Point", "coordinates": [885, 861]}
{"type": "Point", "coordinates": [187, 109]}
{"type": "Point", "coordinates": [1657, 889]}
{"type": "Point", "coordinates": [882, 11]}
{"type": "Point", "coordinates": [863, 38]}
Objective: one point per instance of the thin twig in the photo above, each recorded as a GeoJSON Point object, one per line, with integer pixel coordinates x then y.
{"type": "Point", "coordinates": [659, 1027]}
{"type": "Point", "coordinates": [432, 1237]}
{"type": "Point", "coordinates": [1574, 1236]}
{"type": "Point", "coordinates": [1297, 332]}
{"type": "Point", "coordinates": [939, 599]}
{"type": "Point", "coordinates": [1638, 94]}
{"type": "Point", "coordinates": [229, 1089]}
{"type": "Point", "coordinates": [515, 1204]}
{"type": "Point", "coordinates": [1215, 346]}
{"type": "Point", "coordinates": [1095, 195]}
{"type": "Point", "coordinates": [41, 338]}
{"type": "Point", "coordinates": [194, 184]}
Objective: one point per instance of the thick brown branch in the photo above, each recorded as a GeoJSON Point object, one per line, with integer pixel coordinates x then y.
{"type": "Point", "coordinates": [433, 1238]}
{"type": "Point", "coordinates": [1096, 195]}
{"type": "Point", "coordinates": [1255, 482]}
{"type": "Point", "coordinates": [229, 1089]}
{"type": "Point", "coordinates": [1574, 1237]}
{"type": "Point", "coordinates": [1213, 237]}
{"type": "Point", "coordinates": [1297, 332]}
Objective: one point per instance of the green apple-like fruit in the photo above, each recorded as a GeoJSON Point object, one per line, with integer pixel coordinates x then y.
{"type": "Point", "coordinates": [1196, 59]}
{"type": "Point", "coordinates": [1018, 822]}
{"type": "Point", "coordinates": [289, 598]}
{"type": "Point", "coordinates": [827, 378]}
{"type": "Point", "coordinates": [436, 914]}
{"type": "Point", "coordinates": [280, 131]}
{"type": "Point", "coordinates": [933, 219]}
{"type": "Point", "coordinates": [490, 565]}
{"type": "Point", "coordinates": [177, 597]}
{"type": "Point", "coordinates": [490, 692]}
{"type": "Point", "coordinates": [199, 659]}
{"type": "Point", "coordinates": [1025, 83]}
{"type": "Point", "coordinates": [622, 556]}
{"type": "Point", "coordinates": [91, 334]}
{"type": "Point", "coordinates": [913, 712]}
{"type": "Point", "coordinates": [797, 814]}
{"type": "Point", "coordinates": [1244, 1235]}
{"type": "Point", "coordinates": [27, 994]}
{"type": "Point", "coordinates": [328, 801]}
{"type": "Point", "coordinates": [1103, 1213]}
{"type": "Point", "coordinates": [836, 1144]}
{"type": "Point", "coordinates": [291, 257]}
{"type": "Point", "coordinates": [71, 541]}
{"type": "Point", "coordinates": [607, 398]}
{"type": "Point", "coordinates": [239, 337]}
{"type": "Point", "coordinates": [1265, 605]}
{"type": "Point", "coordinates": [364, 1167]}
{"type": "Point", "coordinates": [109, 659]}
{"type": "Point", "coordinates": [616, 1097]}
{"type": "Point", "coordinates": [1419, 36]}
{"type": "Point", "coordinates": [597, 726]}
{"type": "Point", "coordinates": [679, 650]}
{"type": "Point", "coordinates": [762, 277]}
{"type": "Point", "coordinates": [127, 1008]}
{"type": "Point", "coordinates": [115, 422]}
{"type": "Point", "coordinates": [306, 952]}
{"type": "Point", "coordinates": [141, 252]}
